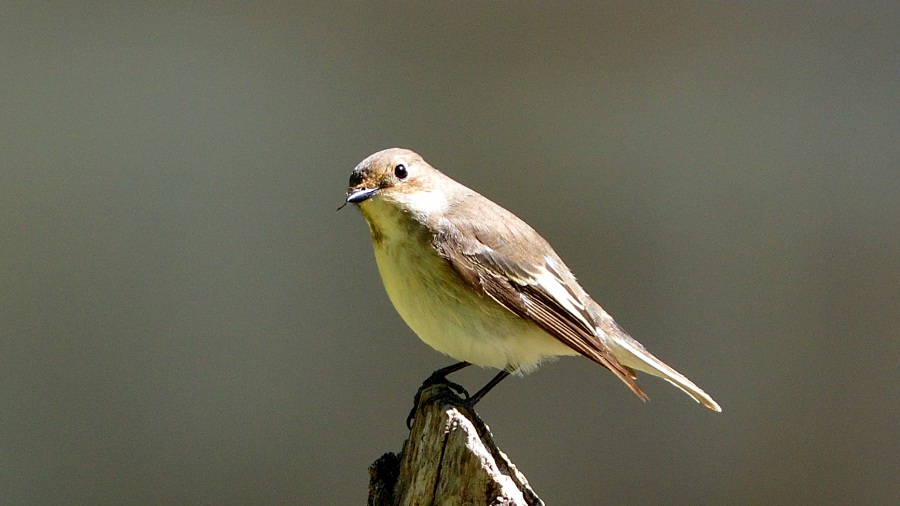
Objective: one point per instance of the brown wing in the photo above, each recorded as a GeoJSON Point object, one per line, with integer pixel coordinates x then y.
{"type": "Point", "coordinates": [534, 291]}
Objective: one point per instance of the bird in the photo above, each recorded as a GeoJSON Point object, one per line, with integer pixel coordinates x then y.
{"type": "Point", "coordinates": [475, 282]}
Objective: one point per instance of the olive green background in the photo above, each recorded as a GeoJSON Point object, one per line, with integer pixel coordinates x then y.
{"type": "Point", "coordinates": [185, 319]}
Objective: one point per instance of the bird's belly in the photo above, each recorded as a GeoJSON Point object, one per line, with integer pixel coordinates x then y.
{"type": "Point", "coordinates": [454, 319]}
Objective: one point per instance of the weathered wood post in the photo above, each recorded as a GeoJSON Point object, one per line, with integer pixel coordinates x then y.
{"type": "Point", "coordinates": [449, 459]}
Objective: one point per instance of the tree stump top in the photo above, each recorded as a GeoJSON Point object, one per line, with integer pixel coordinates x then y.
{"type": "Point", "coordinates": [449, 458]}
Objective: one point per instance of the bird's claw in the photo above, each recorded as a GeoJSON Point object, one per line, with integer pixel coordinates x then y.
{"type": "Point", "coordinates": [435, 379]}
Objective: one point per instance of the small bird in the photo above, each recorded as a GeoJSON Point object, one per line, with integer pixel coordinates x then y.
{"type": "Point", "coordinates": [475, 282]}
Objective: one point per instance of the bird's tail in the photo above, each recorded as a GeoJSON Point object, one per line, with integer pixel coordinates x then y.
{"type": "Point", "coordinates": [631, 353]}
{"type": "Point", "coordinates": [634, 355]}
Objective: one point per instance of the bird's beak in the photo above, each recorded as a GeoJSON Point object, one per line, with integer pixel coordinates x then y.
{"type": "Point", "coordinates": [361, 194]}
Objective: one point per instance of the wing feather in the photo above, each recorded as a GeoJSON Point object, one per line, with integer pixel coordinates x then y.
{"type": "Point", "coordinates": [534, 291]}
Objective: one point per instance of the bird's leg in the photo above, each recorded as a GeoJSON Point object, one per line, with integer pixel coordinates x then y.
{"type": "Point", "coordinates": [473, 400]}
{"type": "Point", "coordinates": [439, 376]}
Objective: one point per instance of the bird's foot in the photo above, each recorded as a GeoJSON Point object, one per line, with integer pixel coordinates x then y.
{"type": "Point", "coordinates": [438, 377]}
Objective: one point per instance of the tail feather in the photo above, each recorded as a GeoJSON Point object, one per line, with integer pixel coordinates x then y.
{"type": "Point", "coordinates": [632, 354]}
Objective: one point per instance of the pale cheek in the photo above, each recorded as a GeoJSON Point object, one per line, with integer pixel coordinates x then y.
{"type": "Point", "coordinates": [422, 202]}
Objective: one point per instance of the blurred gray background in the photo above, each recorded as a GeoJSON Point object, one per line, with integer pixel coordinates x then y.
{"type": "Point", "coordinates": [185, 319]}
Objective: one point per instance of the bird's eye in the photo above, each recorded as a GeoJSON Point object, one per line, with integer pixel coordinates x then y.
{"type": "Point", "coordinates": [400, 171]}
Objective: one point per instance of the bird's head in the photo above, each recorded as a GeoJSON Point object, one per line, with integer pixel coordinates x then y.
{"type": "Point", "coordinates": [389, 173]}
{"type": "Point", "coordinates": [400, 180]}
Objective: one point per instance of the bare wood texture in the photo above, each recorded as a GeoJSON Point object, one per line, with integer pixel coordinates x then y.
{"type": "Point", "coordinates": [449, 459]}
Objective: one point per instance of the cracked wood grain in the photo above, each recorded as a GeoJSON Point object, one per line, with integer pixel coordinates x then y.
{"type": "Point", "coordinates": [449, 459]}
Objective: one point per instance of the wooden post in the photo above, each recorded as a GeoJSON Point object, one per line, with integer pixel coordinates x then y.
{"type": "Point", "coordinates": [449, 459]}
